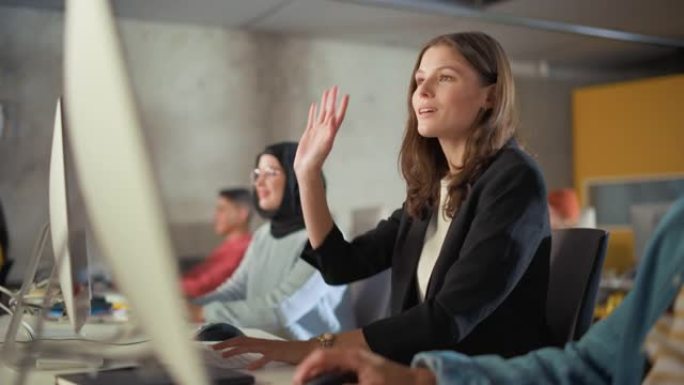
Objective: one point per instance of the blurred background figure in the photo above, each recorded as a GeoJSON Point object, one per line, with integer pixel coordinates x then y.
{"type": "Point", "coordinates": [564, 208]}
{"type": "Point", "coordinates": [231, 221]}
{"type": "Point", "coordinates": [274, 289]}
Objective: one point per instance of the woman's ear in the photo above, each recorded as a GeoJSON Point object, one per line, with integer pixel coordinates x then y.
{"type": "Point", "coordinates": [491, 97]}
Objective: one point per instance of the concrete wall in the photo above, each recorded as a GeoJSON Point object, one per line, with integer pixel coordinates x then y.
{"type": "Point", "coordinates": [200, 95]}
{"type": "Point", "coordinates": [546, 126]}
{"type": "Point", "coordinates": [30, 65]}
{"type": "Point", "coordinates": [211, 98]}
{"type": "Point", "coordinates": [362, 168]}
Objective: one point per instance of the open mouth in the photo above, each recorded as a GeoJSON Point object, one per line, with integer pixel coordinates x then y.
{"type": "Point", "coordinates": [262, 194]}
{"type": "Point", "coordinates": [426, 111]}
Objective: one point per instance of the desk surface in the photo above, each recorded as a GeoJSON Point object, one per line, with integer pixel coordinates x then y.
{"type": "Point", "coordinates": [267, 376]}
{"type": "Point", "coordinates": [125, 355]}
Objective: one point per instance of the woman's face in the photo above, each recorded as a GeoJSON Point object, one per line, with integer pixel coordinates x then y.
{"type": "Point", "coordinates": [448, 95]}
{"type": "Point", "coordinates": [269, 181]}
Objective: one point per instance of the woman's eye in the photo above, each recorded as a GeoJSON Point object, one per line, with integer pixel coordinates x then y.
{"type": "Point", "coordinates": [419, 80]}
{"type": "Point", "coordinates": [445, 78]}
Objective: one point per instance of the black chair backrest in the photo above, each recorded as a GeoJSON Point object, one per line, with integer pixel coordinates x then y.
{"type": "Point", "coordinates": [371, 297]}
{"type": "Point", "coordinates": [4, 272]}
{"type": "Point", "coordinates": [576, 262]}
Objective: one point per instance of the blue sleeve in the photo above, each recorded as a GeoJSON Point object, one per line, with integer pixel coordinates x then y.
{"type": "Point", "coordinates": [586, 362]}
{"type": "Point", "coordinates": [609, 352]}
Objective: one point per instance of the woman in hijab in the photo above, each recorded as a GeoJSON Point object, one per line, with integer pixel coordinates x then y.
{"type": "Point", "coordinates": [273, 289]}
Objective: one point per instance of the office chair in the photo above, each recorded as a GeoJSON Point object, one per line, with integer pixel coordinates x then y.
{"type": "Point", "coordinates": [4, 271]}
{"type": "Point", "coordinates": [370, 298]}
{"type": "Point", "coordinates": [575, 270]}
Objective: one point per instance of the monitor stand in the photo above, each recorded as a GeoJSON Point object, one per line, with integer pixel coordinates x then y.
{"type": "Point", "coordinates": [31, 354]}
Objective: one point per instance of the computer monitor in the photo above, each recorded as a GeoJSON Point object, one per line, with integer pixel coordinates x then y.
{"type": "Point", "coordinates": [67, 227]}
{"type": "Point", "coordinates": [644, 218]}
{"type": "Point", "coordinates": [122, 201]}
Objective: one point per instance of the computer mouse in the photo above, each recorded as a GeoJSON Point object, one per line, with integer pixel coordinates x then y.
{"type": "Point", "coordinates": [217, 332]}
{"type": "Point", "coordinates": [334, 378]}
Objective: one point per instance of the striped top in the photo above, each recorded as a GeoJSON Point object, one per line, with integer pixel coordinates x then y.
{"type": "Point", "coordinates": [665, 346]}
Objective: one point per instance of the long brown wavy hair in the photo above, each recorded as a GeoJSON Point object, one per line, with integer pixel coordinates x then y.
{"type": "Point", "coordinates": [422, 160]}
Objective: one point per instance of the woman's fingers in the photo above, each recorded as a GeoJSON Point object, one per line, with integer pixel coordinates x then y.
{"type": "Point", "coordinates": [241, 350]}
{"type": "Point", "coordinates": [322, 361]}
{"type": "Point", "coordinates": [312, 117]}
{"type": "Point", "coordinates": [226, 354]}
{"type": "Point", "coordinates": [239, 341]}
{"type": "Point", "coordinates": [321, 108]}
{"type": "Point", "coordinates": [323, 121]}
{"type": "Point", "coordinates": [226, 344]}
{"type": "Point", "coordinates": [258, 364]}
{"type": "Point", "coordinates": [332, 100]}
{"type": "Point", "coordinates": [312, 365]}
{"type": "Point", "coordinates": [343, 110]}
{"type": "Point", "coordinates": [328, 110]}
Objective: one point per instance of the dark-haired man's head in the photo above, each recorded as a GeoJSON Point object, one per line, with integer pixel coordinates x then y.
{"type": "Point", "coordinates": [233, 211]}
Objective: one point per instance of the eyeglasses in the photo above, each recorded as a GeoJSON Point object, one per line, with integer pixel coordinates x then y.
{"type": "Point", "coordinates": [267, 172]}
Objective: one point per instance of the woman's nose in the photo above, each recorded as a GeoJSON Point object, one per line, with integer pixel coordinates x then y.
{"type": "Point", "coordinates": [425, 88]}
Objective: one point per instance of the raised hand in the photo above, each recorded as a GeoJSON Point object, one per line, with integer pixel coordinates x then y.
{"type": "Point", "coordinates": [317, 141]}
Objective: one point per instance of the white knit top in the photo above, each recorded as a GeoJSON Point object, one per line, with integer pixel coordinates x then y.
{"type": "Point", "coordinates": [434, 238]}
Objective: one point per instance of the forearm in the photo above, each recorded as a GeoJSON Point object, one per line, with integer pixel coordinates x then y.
{"type": "Point", "coordinates": [282, 307]}
{"type": "Point", "coordinates": [317, 216]}
{"type": "Point", "coordinates": [351, 339]}
{"type": "Point", "coordinates": [430, 326]}
{"type": "Point", "coordinates": [588, 361]}
{"type": "Point", "coordinates": [423, 376]}
{"type": "Point", "coordinates": [199, 283]}
{"type": "Point", "coordinates": [218, 274]}
{"type": "Point", "coordinates": [190, 288]}
{"type": "Point", "coordinates": [242, 314]}
{"type": "Point", "coordinates": [549, 366]}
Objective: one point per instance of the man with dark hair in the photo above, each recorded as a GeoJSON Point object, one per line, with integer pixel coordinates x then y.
{"type": "Point", "coordinates": [231, 220]}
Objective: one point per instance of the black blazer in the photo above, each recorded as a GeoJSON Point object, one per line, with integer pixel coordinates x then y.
{"type": "Point", "coordinates": [487, 291]}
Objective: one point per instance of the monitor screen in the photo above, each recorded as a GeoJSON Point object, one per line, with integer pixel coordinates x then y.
{"type": "Point", "coordinates": [644, 219]}
{"type": "Point", "coordinates": [123, 204]}
{"type": "Point", "coordinates": [67, 227]}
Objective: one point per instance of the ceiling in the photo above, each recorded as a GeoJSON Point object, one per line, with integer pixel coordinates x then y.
{"type": "Point", "coordinates": [410, 23]}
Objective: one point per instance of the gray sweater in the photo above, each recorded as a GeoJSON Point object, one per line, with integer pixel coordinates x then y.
{"type": "Point", "coordinates": [276, 291]}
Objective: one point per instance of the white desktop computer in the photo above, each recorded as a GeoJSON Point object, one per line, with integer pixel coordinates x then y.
{"type": "Point", "coordinates": [71, 248]}
{"type": "Point", "coordinates": [122, 202]}
{"type": "Point", "coordinates": [67, 233]}
{"type": "Point", "coordinates": [644, 219]}
{"type": "Point", "coordinates": [68, 228]}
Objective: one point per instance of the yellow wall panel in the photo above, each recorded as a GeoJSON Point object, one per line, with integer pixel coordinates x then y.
{"type": "Point", "coordinates": [630, 129]}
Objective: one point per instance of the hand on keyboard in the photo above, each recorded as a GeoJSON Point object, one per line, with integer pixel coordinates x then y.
{"type": "Point", "coordinates": [214, 358]}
